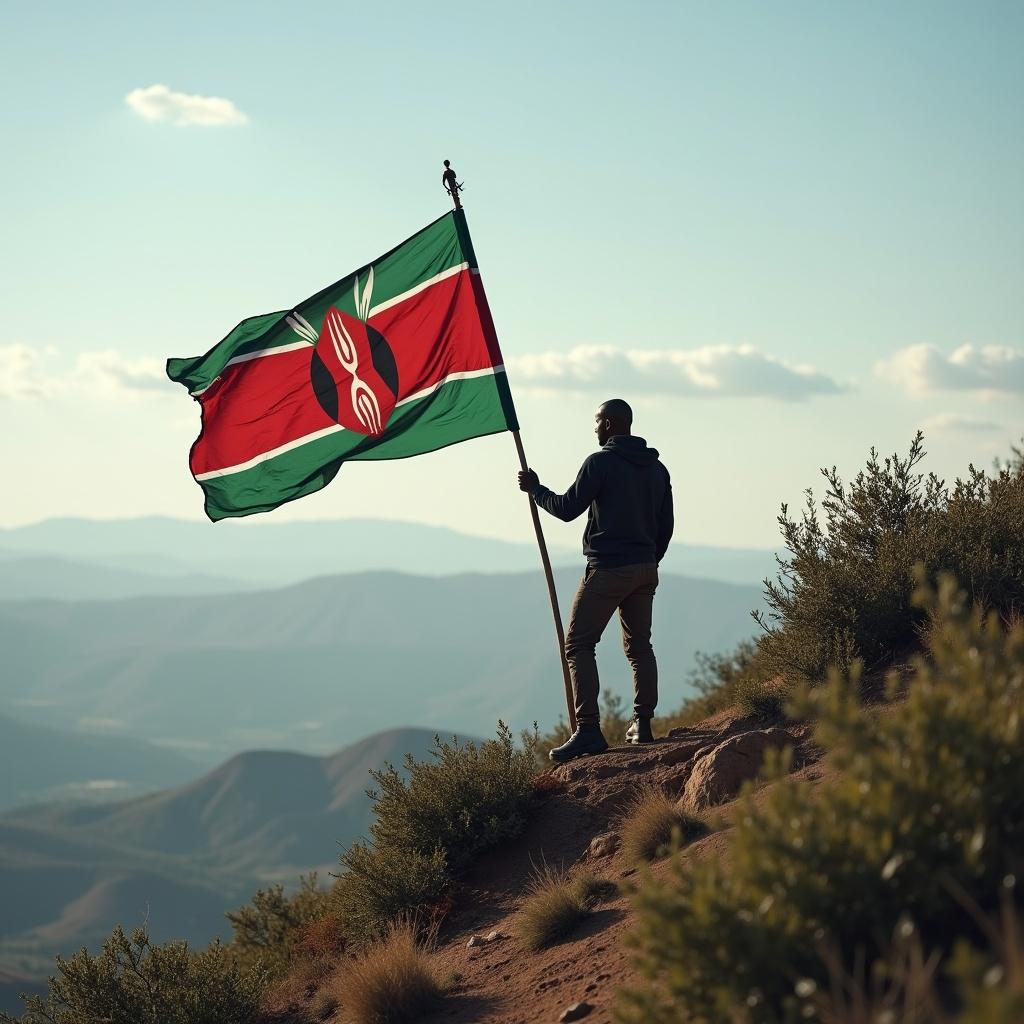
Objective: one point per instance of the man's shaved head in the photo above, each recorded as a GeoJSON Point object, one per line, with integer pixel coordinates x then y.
{"type": "Point", "coordinates": [613, 419]}
{"type": "Point", "coordinates": [618, 410]}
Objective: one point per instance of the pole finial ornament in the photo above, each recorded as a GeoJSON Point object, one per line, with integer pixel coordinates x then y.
{"type": "Point", "coordinates": [451, 185]}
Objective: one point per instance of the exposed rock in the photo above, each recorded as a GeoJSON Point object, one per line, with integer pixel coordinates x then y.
{"type": "Point", "coordinates": [475, 940]}
{"type": "Point", "coordinates": [576, 1012]}
{"type": "Point", "coordinates": [494, 936]}
{"type": "Point", "coordinates": [603, 845]}
{"type": "Point", "coordinates": [718, 774]}
{"type": "Point", "coordinates": [483, 940]}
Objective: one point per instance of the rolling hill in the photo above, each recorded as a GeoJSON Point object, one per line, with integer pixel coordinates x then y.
{"type": "Point", "coordinates": [180, 858]}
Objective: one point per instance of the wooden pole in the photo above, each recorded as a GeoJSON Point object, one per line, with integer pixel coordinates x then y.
{"type": "Point", "coordinates": [570, 702]}
{"type": "Point", "coordinates": [452, 186]}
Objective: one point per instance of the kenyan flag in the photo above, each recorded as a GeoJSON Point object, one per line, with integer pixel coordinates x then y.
{"type": "Point", "coordinates": [397, 359]}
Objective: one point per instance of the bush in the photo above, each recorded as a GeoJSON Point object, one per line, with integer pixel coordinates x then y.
{"type": "Point", "coordinates": [553, 906]}
{"type": "Point", "coordinates": [429, 824]}
{"type": "Point", "coordinates": [651, 823]}
{"type": "Point", "coordinates": [392, 982]}
{"type": "Point", "coordinates": [381, 884]}
{"type": "Point", "coordinates": [913, 987]}
{"type": "Point", "coordinates": [928, 799]}
{"type": "Point", "coordinates": [844, 591]}
{"type": "Point", "coordinates": [134, 982]}
{"type": "Point", "coordinates": [267, 929]}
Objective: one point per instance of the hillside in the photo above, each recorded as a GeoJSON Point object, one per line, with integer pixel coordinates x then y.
{"type": "Point", "coordinates": [182, 857]}
{"type": "Point", "coordinates": [319, 664]}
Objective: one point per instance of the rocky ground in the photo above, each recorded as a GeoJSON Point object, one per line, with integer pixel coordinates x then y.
{"type": "Point", "coordinates": [576, 827]}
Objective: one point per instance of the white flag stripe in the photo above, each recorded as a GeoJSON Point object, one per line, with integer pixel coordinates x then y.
{"type": "Point", "coordinates": [422, 286]}
{"type": "Point", "coordinates": [248, 356]}
{"type": "Point", "coordinates": [459, 375]}
{"type": "Point", "coordinates": [336, 428]}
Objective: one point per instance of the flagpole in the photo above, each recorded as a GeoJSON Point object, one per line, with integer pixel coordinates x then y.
{"type": "Point", "coordinates": [453, 187]}
{"type": "Point", "coordinates": [570, 703]}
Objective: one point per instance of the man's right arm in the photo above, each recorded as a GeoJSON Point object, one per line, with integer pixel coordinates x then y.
{"type": "Point", "coordinates": [577, 499]}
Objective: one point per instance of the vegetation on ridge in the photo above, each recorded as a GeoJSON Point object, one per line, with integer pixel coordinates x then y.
{"type": "Point", "coordinates": [134, 982]}
{"type": "Point", "coordinates": [928, 803]}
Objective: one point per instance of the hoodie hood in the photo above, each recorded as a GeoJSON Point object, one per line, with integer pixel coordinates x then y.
{"type": "Point", "coordinates": [631, 448]}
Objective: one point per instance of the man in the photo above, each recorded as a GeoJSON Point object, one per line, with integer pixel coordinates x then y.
{"type": "Point", "coordinates": [627, 496]}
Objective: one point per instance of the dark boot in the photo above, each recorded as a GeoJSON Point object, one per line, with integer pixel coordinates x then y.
{"type": "Point", "coordinates": [587, 739]}
{"type": "Point", "coordinates": [639, 731]}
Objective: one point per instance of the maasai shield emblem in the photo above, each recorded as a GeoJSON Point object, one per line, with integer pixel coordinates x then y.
{"type": "Point", "coordinates": [353, 371]}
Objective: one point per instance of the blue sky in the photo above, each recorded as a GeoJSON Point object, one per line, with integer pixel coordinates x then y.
{"type": "Point", "coordinates": [785, 232]}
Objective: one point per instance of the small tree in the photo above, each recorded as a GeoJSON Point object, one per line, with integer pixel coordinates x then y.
{"type": "Point", "coordinates": [134, 982]}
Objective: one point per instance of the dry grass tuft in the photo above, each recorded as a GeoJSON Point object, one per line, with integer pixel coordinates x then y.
{"type": "Point", "coordinates": [651, 823]}
{"type": "Point", "coordinates": [593, 890]}
{"type": "Point", "coordinates": [392, 982]}
{"type": "Point", "coordinates": [554, 905]}
{"type": "Point", "coordinates": [323, 1005]}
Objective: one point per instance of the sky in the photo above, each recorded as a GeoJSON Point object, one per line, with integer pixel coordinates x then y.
{"type": "Point", "coordinates": [784, 232]}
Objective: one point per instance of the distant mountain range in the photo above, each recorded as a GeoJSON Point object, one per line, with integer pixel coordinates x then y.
{"type": "Point", "coordinates": [180, 859]}
{"type": "Point", "coordinates": [324, 662]}
{"type": "Point", "coordinates": [81, 558]}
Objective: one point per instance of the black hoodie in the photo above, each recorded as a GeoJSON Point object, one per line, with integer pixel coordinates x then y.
{"type": "Point", "coordinates": [627, 495]}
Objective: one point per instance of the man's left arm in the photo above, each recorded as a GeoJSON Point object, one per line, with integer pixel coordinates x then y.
{"type": "Point", "coordinates": [666, 520]}
{"type": "Point", "coordinates": [574, 502]}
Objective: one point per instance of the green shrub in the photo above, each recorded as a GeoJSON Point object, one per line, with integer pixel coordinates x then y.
{"type": "Point", "coordinates": [267, 928]}
{"type": "Point", "coordinates": [721, 681]}
{"type": "Point", "coordinates": [383, 883]}
{"type": "Point", "coordinates": [134, 982]}
{"type": "Point", "coordinates": [650, 824]}
{"type": "Point", "coordinates": [928, 799]}
{"type": "Point", "coordinates": [911, 986]}
{"type": "Point", "coordinates": [429, 824]}
{"type": "Point", "coordinates": [844, 591]}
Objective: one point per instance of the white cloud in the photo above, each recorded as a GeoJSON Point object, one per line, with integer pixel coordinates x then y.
{"type": "Point", "coordinates": [113, 373]}
{"type": "Point", "coordinates": [714, 370]}
{"type": "Point", "coordinates": [923, 368]}
{"type": "Point", "coordinates": [954, 421]}
{"type": "Point", "coordinates": [27, 373]}
{"type": "Point", "coordinates": [21, 375]}
{"type": "Point", "coordinates": [158, 103]}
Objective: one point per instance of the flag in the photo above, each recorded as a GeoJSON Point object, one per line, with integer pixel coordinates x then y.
{"type": "Point", "coordinates": [397, 359]}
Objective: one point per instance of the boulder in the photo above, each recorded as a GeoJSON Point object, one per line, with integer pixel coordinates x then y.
{"type": "Point", "coordinates": [576, 1012]}
{"type": "Point", "coordinates": [717, 774]}
{"type": "Point", "coordinates": [603, 845]}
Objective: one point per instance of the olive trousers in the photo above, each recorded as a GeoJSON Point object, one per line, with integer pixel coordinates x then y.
{"type": "Point", "coordinates": [630, 590]}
